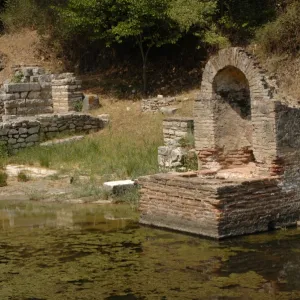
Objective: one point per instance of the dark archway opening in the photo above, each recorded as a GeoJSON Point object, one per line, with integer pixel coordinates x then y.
{"type": "Point", "coordinates": [232, 113]}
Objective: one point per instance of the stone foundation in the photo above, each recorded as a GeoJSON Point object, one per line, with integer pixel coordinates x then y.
{"type": "Point", "coordinates": [29, 131]}
{"type": "Point", "coordinates": [217, 208]}
{"type": "Point", "coordinates": [155, 104]}
{"type": "Point", "coordinates": [28, 93]}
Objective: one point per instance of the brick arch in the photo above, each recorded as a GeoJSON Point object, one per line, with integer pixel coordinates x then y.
{"type": "Point", "coordinates": [263, 148]}
{"type": "Point", "coordinates": [242, 60]}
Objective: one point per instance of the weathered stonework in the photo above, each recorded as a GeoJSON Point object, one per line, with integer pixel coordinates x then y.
{"type": "Point", "coordinates": [155, 104]}
{"type": "Point", "coordinates": [248, 146]}
{"type": "Point", "coordinates": [25, 132]}
{"type": "Point", "coordinates": [66, 93]}
{"type": "Point", "coordinates": [216, 208]}
{"type": "Point", "coordinates": [177, 132]}
{"type": "Point", "coordinates": [28, 94]}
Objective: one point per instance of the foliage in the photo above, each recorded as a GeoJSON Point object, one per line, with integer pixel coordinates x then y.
{"type": "Point", "coordinates": [23, 177]}
{"type": "Point", "coordinates": [78, 105]}
{"type": "Point", "coordinates": [238, 20]}
{"type": "Point", "coordinates": [282, 36]}
{"type": "Point", "coordinates": [3, 178]}
{"type": "Point", "coordinates": [146, 23]}
{"type": "Point", "coordinates": [17, 78]}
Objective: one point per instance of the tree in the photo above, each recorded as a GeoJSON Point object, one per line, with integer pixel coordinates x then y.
{"type": "Point", "coordinates": [147, 23]}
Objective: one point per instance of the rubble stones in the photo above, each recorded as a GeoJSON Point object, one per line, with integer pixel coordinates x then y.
{"type": "Point", "coordinates": [155, 104]}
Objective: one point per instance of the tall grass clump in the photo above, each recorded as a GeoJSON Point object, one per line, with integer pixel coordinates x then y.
{"type": "Point", "coordinates": [126, 149]}
{"type": "Point", "coordinates": [3, 178]}
{"type": "Point", "coordinates": [282, 36]}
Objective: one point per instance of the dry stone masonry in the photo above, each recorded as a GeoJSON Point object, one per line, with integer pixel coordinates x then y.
{"type": "Point", "coordinates": [29, 92]}
{"type": "Point", "coordinates": [36, 106]}
{"type": "Point", "coordinates": [177, 132]}
{"type": "Point", "coordinates": [25, 132]}
{"type": "Point", "coordinates": [157, 103]}
{"type": "Point", "coordinates": [66, 93]}
{"type": "Point", "coordinates": [247, 140]}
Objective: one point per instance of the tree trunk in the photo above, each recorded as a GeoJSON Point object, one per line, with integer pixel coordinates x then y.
{"type": "Point", "coordinates": [145, 60]}
{"type": "Point", "coordinates": [145, 83]}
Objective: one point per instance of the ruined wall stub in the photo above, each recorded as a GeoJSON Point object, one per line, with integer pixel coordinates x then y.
{"type": "Point", "coordinates": [235, 112]}
{"type": "Point", "coordinates": [66, 93]}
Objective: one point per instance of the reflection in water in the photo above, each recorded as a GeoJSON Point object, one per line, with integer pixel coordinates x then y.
{"type": "Point", "coordinates": [52, 251]}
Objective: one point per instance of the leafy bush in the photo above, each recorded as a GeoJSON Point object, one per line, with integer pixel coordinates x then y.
{"type": "Point", "coordinates": [282, 35]}
{"type": "Point", "coordinates": [23, 177]}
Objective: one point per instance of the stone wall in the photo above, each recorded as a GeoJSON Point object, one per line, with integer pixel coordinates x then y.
{"type": "Point", "coordinates": [25, 132]}
{"type": "Point", "coordinates": [177, 132]}
{"type": "Point", "coordinates": [216, 208]}
{"type": "Point", "coordinates": [66, 93]}
{"type": "Point", "coordinates": [28, 93]}
{"type": "Point", "coordinates": [31, 91]}
{"type": "Point", "coordinates": [155, 104]}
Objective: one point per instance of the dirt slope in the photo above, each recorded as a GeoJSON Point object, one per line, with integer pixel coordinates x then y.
{"type": "Point", "coordinates": [24, 48]}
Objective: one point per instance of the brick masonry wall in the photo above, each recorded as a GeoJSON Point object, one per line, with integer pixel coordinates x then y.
{"type": "Point", "coordinates": [216, 208]}
{"type": "Point", "coordinates": [178, 203]}
{"type": "Point", "coordinates": [25, 132]}
{"type": "Point", "coordinates": [229, 159]}
{"type": "Point", "coordinates": [263, 92]}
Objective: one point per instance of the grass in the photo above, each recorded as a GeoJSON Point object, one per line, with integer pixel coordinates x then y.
{"type": "Point", "coordinates": [23, 177]}
{"type": "Point", "coordinates": [3, 178]}
{"type": "Point", "coordinates": [126, 149]}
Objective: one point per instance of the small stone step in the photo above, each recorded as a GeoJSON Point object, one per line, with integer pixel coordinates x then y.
{"type": "Point", "coordinates": [119, 187]}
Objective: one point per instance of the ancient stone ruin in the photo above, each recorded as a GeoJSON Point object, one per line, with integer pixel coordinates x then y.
{"type": "Point", "coordinates": [248, 145]}
{"type": "Point", "coordinates": [35, 106]}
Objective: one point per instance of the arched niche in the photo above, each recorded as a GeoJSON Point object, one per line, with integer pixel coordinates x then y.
{"type": "Point", "coordinates": [234, 119]}
{"type": "Point", "coordinates": [233, 128]}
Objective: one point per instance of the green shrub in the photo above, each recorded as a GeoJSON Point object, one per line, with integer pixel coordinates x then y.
{"type": "Point", "coordinates": [282, 35]}
{"type": "Point", "coordinates": [23, 177]}
{"type": "Point", "coordinates": [3, 178]}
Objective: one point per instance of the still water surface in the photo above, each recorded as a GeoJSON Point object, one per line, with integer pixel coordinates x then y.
{"type": "Point", "coordinates": [50, 251]}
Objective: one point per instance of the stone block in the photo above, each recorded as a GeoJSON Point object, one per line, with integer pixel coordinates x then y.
{"type": "Point", "coordinates": [21, 87]}
{"type": "Point", "coordinates": [33, 138]}
{"type": "Point", "coordinates": [119, 187]}
{"type": "Point", "coordinates": [33, 130]}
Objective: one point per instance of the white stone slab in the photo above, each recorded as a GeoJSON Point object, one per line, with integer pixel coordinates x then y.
{"type": "Point", "coordinates": [118, 186]}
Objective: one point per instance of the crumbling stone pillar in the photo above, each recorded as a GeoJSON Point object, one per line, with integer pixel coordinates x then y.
{"type": "Point", "coordinates": [66, 93]}
{"type": "Point", "coordinates": [178, 133]}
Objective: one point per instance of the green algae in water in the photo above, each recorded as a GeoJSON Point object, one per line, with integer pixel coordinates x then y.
{"type": "Point", "coordinates": [74, 252]}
